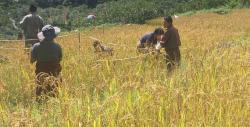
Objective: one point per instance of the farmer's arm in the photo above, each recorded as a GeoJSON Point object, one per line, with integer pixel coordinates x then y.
{"type": "Point", "coordinates": [23, 22]}
{"type": "Point", "coordinates": [33, 53]}
{"type": "Point", "coordinates": [178, 38]}
{"type": "Point", "coordinates": [60, 53]}
{"type": "Point", "coordinates": [41, 24]}
{"type": "Point", "coordinates": [165, 38]}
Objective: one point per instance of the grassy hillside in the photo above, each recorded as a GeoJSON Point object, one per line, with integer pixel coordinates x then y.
{"type": "Point", "coordinates": [211, 88]}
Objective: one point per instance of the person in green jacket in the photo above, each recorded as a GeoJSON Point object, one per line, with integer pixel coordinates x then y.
{"type": "Point", "coordinates": [31, 25]}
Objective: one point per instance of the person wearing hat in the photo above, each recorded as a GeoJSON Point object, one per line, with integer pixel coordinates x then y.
{"type": "Point", "coordinates": [47, 54]}
{"type": "Point", "coordinates": [31, 24]}
{"type": "Point", "coordinates": [150, 39]}
{"type": "Point", "coordinates": [171, 42]}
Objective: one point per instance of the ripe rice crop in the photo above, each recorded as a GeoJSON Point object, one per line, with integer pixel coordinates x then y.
{"type": "Point", "coordinates": [211, 88]}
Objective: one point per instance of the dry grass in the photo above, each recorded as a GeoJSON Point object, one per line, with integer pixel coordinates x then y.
{"type": "Point", "coordinates": [211, 88]}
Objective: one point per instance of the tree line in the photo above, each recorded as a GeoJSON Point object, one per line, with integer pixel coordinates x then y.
{"type": "Point", "coordinates": [71, 14]}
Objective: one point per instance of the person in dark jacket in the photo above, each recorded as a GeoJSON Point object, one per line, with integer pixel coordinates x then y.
{"type": "Point", "coordinates": [47, 54]}
{"type": "Point", "coordinates": [150, 39]}
{"type": "Point", "coordinates": [171, 42]}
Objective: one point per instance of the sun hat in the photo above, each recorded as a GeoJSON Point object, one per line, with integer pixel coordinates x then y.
{"type": "Point", "coordinates": [48, 33]}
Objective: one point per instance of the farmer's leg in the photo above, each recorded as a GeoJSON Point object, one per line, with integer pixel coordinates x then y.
{"type": "Point", "coordinates": [29, 44]}
{"type": "Point", "coordinates": [40, 78]}
{"type": "Point", "coordinates": [39, 89]}
{"type": "Point", "coordinates": [141, 48]}
{"type": "Point", "coordinates": [169, 59]}
{"type": "Point", "coordinates": [51, 69]}
{"type": "Point", "coordinates": [177, 56]}
{"type": "Point", "coordinates": [140, 45]}
{"type": "Point", "coordinates": [52, 88]}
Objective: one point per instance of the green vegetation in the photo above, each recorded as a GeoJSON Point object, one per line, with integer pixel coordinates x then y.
{"type": "Point", "coordinates": [70, 14]}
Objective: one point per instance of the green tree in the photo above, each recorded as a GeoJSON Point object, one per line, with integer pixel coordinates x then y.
{"type": "Point", "coordinates": [91, 3]}
{"type": "Point", "coordinates": [67, 2]}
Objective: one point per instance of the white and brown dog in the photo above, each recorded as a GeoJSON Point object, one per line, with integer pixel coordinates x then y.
{"type": "Point", "coordinates": [100, 48]}
{"type": "Point", "coordinates": [3, 59]}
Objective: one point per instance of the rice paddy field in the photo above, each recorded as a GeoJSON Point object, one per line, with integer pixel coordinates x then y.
{"type": "Point", "coordinates": [211, 88]}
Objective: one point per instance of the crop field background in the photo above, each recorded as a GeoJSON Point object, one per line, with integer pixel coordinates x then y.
{"type": "Point", "coordinates": [211, 88]}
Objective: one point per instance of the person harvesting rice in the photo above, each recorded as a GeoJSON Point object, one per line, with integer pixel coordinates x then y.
{"type": "Point", "coordinates": [171, 42]}
{"type": "Point", "coordinates": [150, 39]}
{"type": "Point", "coordinates": [47, 54]}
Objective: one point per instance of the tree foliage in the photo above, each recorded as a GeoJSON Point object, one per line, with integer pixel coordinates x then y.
{"type": "Point", "coordinates": [70, 14]}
